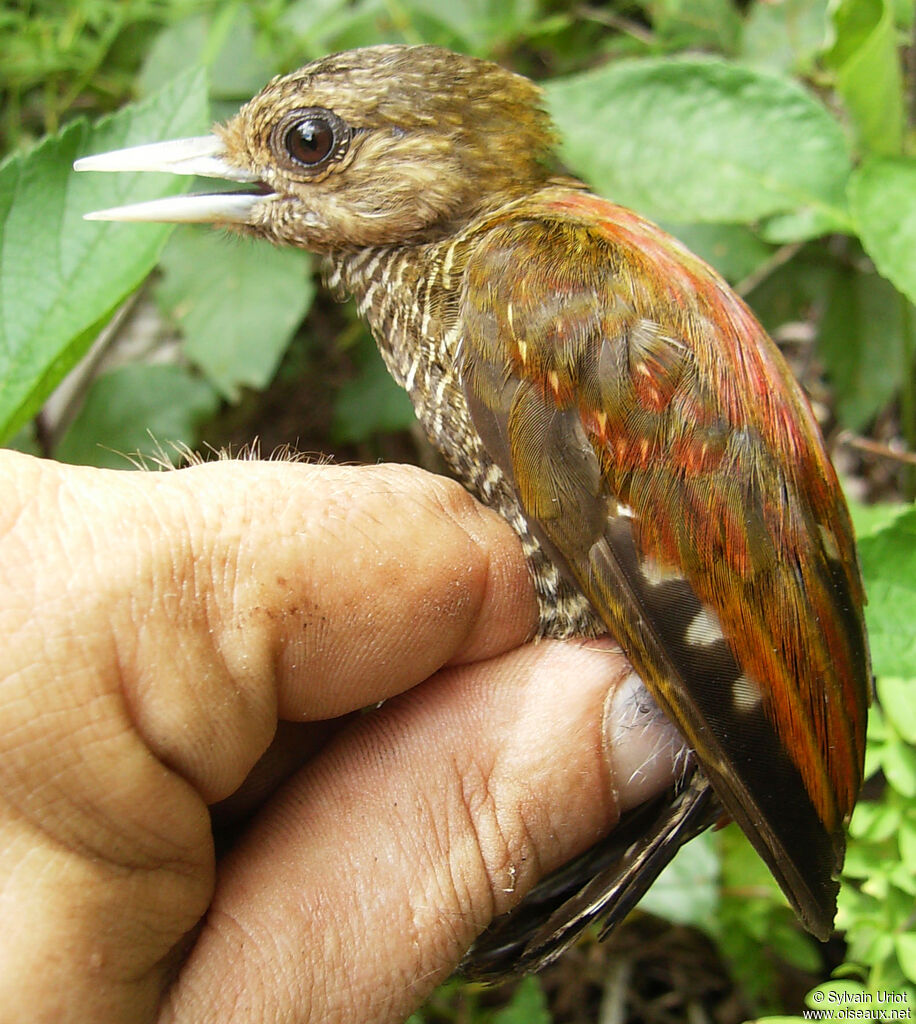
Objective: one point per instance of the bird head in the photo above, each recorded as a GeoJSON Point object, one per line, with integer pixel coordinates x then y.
{"type": "Point", "coordinates": [373, 146]}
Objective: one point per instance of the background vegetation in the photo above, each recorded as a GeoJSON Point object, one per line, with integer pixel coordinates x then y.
{"type": "Point", "coordinates": [775, 137]}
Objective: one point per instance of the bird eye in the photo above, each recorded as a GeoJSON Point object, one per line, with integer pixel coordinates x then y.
{"type": "Point", "coordinates": [310, 138]}
{"type": "Point", "coordinates": [310, 141]}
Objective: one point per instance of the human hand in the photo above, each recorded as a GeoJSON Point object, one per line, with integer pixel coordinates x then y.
{"type": "Point", "coordinates": [158, 626]}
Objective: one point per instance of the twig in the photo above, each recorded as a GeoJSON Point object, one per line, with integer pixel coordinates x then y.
{"type": "Point", "coordinates": [877, 448]}
{"type": "Point", "coordinates": [782, 255]}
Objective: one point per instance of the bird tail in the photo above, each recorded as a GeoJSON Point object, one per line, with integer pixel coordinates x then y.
{"type": "Point", "coordinates": [606, 882]}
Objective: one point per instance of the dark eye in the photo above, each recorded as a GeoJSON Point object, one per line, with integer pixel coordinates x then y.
{"type": "Point", "coordinates": [310, 141]}
{"type": "Point", "coordinates": [310, 138]}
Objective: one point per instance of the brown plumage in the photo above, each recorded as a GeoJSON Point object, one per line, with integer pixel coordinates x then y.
{"type": "Point", "coordinates": [606, 392]}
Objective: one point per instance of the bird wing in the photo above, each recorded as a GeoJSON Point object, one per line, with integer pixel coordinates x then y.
{"type": "Point", "coordinates": [666, 459]}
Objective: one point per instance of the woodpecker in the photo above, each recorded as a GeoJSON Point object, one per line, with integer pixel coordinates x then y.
{"type": "Point", "coordinates": [605, 390]}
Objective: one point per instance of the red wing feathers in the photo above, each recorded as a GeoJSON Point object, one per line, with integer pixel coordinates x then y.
{"type": "Point", "coordinates": [661, 448]}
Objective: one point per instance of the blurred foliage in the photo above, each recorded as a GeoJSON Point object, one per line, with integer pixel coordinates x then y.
{"type": "Point", "coordinates": [775, 137]}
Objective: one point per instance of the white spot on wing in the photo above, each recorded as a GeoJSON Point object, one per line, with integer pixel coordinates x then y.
{"type": "Point", "coordinates": [654, 573]}
{"type": "Point", "coordinates": [746, 695]}
{"type": "Point", "coordinates": [704, 628]}
{"type": "Point", "coordinates": [831, 550]}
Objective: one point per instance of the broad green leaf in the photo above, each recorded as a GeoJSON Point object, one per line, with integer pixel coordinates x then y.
{"type": "Point", "coordinates": [898, 699]}
{"type": "Point", "coordinates": [241, 62]}
{"type": "Point", "coordinates": [237, 301]}
{"type": "Point", "coordinates": [882, 196]}
{"type": "Point", "coordinates": [904, 13]}
{"type": "Point", "coordinates": [687, 891]}
{"type": "Point", "coordinates": [318, 27]}
{"type": "Point", "coordinates": [869, 519]}
{"type": "Point", "coordinates": [473, 26]}
{"type": "Point", "coordinates": [874, 821]}
{"type": "Point", "coordinates": [869, 76]}
{"type": "Point", "coordinates": [176, 47]}
{"type": "Point", "coordinates": [800, 225]}
{"type": "Point", "coordinates": [863, 342]}
{"type": "Point", "coordinates": [733, 249]}
{"type": "Point", "coordinates": [61, 276]}
{"type": "Point", "coordinates": [906, 954]}
{"type": "Point", "coordinates": [226, 43]}
{"type": "Point", "coordinates": [137, 409]}
{"type": "Point", "coordinates": [835, 995]}
{"type": "Point", "coordinates": [899, 763]}
{"type": "Point", "coordinates": [707, 24]}
{"type": "Point", "coordinates": [695, 139]}
{"type": "Point", "coordinates": [372, 403]}
{"type": "Point", "coordinates": [889, 566]}
{"type": "Point", "coordinates": [784, 36]}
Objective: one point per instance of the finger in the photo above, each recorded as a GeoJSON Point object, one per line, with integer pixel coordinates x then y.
{"type": "Point", "coordinates": [216, 598]}
{"type": "Point", "coordinates": [155, 625]}
{"type": "Point", "coordinates": [293, 745]}
{"type": "Point", "coordinates": [371, 873]}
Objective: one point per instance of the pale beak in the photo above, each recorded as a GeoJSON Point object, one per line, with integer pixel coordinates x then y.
{"type": "Point", "coordinates": [203, 155]}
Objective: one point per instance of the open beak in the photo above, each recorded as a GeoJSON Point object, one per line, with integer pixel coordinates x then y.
{"type": "Point", "coordinates": [203, 155]}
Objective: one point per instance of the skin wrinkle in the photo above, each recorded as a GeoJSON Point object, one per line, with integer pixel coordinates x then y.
{"type": "Point", "coordinates": [83, 828]}
{"type": "Point", "coordinates": [455, 504]}
{"type": "Point", "coordinates": [482, 564]}
{"type": "Point", "coordinates": [244, 642]}
{"type": "Point", "coordinates": [359, 849]}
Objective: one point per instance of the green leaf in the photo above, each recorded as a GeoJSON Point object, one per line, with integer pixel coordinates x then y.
{"type": "Point", "coordinates": [318, 27]}
{"type": "Point", "coordinates": [869, 519]}
{"type": "Point", "coordinates": [843, 991]}
{"type": "Point", "coordinates": [60, 276]}
{"type": "Point", "coordinates": [687, 891]}
{"type": "Point", "coordinates": [372, 403]}
{"type": "Point", "coordinates": [784, 36]}
{"type": "Point", "coordinates": [906, 842]}
{"type": "Point", "coordinates": [176, 47]}
{"type": "Point", "coordinates": [899, 762]}
{"type": "Point", "coordinates": [237, 301]}
{"type": "Point", "coordinates": [800, 225]}
{"type": "Point", "coordinates": [863, 343]}
{"type": "Point", "coordinates": [898, 700]}
{"type": "Point", "coordinates": [902, 878]}
{"type": "Point", "coordinates": [906, 954]}
{"type": "Point", "coordinates": [708, 24]}
{"type": "Point", "coordinates": [528, 1005]}
{"type": "Point", "coordinates": [874, 821]}
{"type": "Point", "coordinates": [889, 566]}
{"type": "Point", "coordinates": [472, 26]}
{"type": "Point", "coordinates": [733, 249]}
{"type": "Point", "coordinates": [882, 196]}
{"type": "Point", "coordinates": [137, 409]}
{"type": "Point", "coordinates": [869, 77]}
{"type": "Point", "coordinates": [227, 44]}
{"type": "Point", "coordinates": [695, 139]}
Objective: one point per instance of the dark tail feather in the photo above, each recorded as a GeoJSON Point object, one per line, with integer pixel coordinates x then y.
{"type": "Point", "coordinates": [608, 880]}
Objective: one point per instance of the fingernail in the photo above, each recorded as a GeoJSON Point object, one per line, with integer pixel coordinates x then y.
{"type": "Point", "coordinates": [643, 749]}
